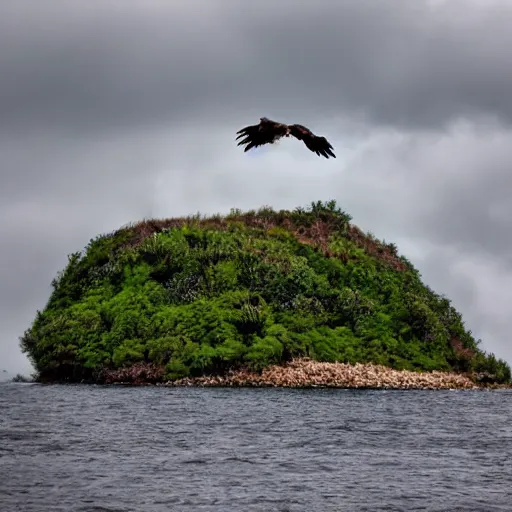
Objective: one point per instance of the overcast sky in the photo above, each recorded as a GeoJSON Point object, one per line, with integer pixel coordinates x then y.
{"type": "Point", "coordinates": [112, 111]}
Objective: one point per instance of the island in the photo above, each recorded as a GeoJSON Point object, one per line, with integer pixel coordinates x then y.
{"type": "Point", "coordinates": [294, 298]}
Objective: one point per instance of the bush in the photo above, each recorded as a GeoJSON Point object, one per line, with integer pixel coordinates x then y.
{"type": "Point", "coordinates": [206, 295]}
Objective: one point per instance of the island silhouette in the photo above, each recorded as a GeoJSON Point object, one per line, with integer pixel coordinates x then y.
{"type": "Point", "coordinates": [297, 297]}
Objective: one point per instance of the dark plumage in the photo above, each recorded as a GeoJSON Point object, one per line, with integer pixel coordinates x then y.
{"type": "Point", "coordinates": [268, 132]}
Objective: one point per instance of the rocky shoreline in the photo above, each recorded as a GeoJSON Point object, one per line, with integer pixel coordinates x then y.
{"type": "Point", "coordinates": [306, 373]}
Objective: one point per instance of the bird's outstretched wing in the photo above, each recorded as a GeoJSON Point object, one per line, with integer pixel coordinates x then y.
{"type": "Point", "coordinates": [317, 144]}
{"type": "Point", "coordinates": [266, 132]}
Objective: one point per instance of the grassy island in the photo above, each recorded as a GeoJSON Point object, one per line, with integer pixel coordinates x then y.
{"type": "Point", "coordinates": [210, 299]}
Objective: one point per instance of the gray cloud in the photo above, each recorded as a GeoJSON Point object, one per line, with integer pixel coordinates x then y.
{"type": "Point", "coordinates": [90, 66]}
{"type": "Point", "coordinates": [113, 112]}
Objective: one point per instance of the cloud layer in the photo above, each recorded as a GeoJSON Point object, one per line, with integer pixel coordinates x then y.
{"type": "Point", "coordinates": [115, 111]}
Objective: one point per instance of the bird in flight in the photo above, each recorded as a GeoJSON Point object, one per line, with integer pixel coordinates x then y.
{"type": "Point", "coordinates": [268, 132]}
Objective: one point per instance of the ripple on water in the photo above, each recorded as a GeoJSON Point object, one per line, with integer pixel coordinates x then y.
{"type": "Point", "coordinates": [93, 448]}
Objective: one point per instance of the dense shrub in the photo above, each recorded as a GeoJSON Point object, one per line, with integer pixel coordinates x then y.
{"type": "Point", "coordinates": [206, 295]}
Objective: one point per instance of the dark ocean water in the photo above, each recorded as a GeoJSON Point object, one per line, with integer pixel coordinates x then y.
{"type": "Point", "coordinates": [89, 448]}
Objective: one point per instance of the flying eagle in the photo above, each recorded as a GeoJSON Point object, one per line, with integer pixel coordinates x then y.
{"type": "Point", "coordinates": [268, 132]}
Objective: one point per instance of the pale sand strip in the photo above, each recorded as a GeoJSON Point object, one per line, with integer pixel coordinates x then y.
{"type": "Point", "coordinates": [308, 373]}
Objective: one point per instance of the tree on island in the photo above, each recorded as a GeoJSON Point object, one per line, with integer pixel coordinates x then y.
{"type": "Point", "coordinates": [206, 295]}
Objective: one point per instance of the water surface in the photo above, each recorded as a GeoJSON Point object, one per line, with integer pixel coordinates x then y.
{"type": "Point", "coordinates": [94, 448]}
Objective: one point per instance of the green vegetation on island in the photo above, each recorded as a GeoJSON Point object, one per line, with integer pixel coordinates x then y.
{"type": "Point", "coordinates": [205, 295]}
